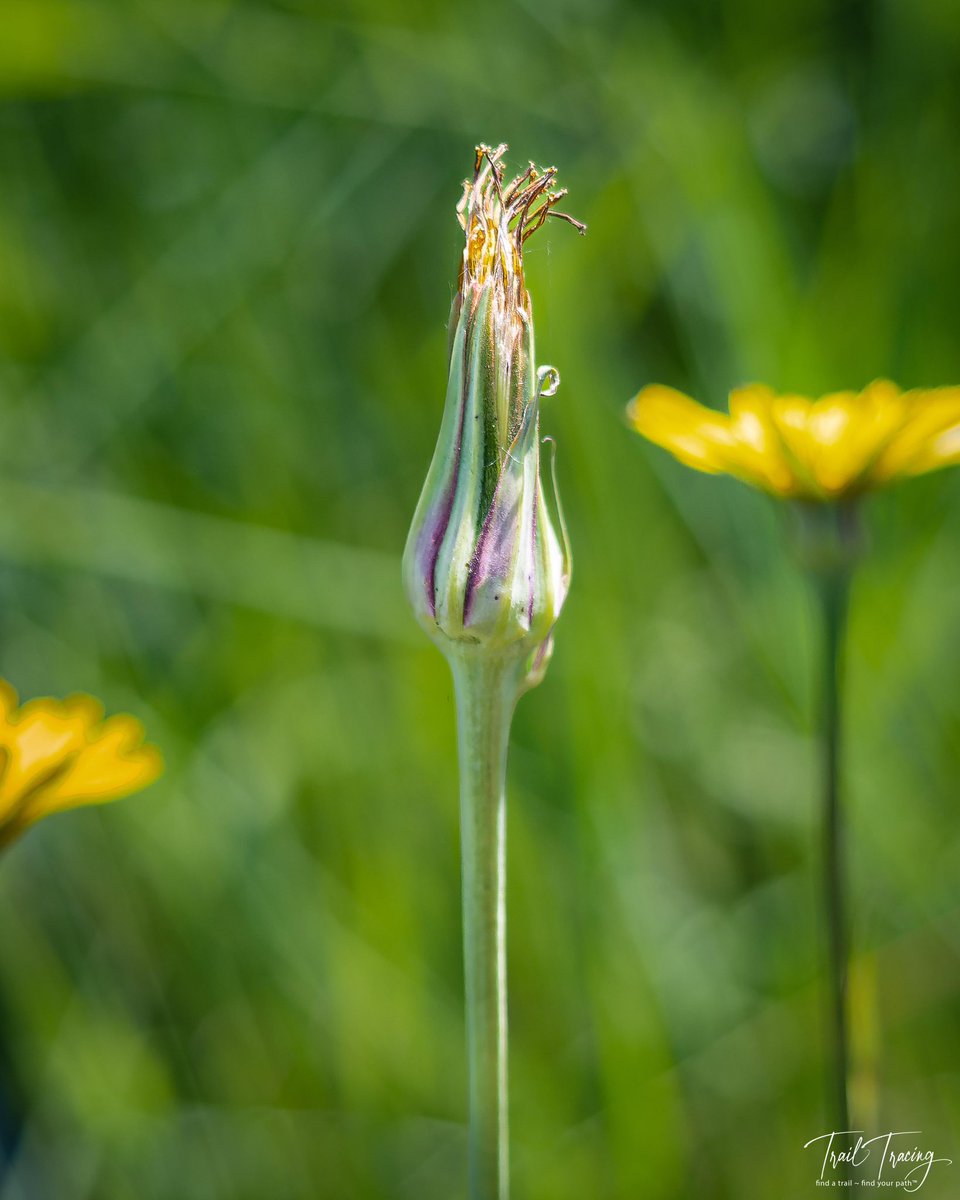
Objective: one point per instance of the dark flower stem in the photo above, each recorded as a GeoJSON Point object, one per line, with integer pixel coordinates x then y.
{"type": "Point", "coordinates": [486, 693]}
{"type": "Point", "coordinates": [833, 588]}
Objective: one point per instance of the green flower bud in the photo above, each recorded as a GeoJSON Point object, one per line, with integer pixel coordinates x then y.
{"type": "Point", "coordinates": [487, 564]}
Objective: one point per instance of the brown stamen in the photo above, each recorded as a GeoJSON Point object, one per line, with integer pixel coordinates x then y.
{"type": "Point", "coordinates": [495, 214]}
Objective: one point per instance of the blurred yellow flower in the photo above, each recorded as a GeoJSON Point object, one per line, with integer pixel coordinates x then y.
{"type": "Point", "coordinates": [58, 754]}
{"type": "Point", "coordinates": [832, 448]}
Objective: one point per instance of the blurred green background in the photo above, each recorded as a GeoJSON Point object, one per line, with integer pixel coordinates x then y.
{"type": "Point", "coordinates": [227, 253]}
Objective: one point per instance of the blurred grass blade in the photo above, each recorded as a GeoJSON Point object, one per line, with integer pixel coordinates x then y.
{"type": "Point", "coordinates": [334, 586]}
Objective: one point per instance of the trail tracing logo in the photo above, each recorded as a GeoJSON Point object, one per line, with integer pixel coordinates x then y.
{"type": "Point", "coordinates": [890, 1160]}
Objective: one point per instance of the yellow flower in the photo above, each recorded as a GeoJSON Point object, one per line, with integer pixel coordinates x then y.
{"type": "Point", "coordinates": [832, 448]}
{"type": "Point", "coordinates": [58, 754]}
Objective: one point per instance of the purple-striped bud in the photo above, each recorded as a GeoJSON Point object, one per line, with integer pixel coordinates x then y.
{"type": "Point", "coordinates": [487, 562]}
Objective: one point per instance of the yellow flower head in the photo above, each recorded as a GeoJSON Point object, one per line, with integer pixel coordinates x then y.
{"type": "Point", "coordinates": [832, 448]}
{"type": "Point", "coordinates": [58, 754]}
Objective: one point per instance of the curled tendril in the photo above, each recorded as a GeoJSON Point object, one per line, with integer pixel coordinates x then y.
{"type": "Point", "coordinates": [548, 380]}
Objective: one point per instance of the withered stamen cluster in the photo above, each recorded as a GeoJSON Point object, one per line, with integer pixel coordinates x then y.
{"type": "Point", "coordinates": [497, 219]}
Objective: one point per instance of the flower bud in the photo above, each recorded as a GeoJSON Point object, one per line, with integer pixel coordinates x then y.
{"type": "Point", "coordinates": [487, 564]}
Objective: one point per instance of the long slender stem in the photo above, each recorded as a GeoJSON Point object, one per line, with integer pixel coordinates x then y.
{"type": "Point", "coordinates": [486, 694]}
{"type": "Point", "coordinates": [833, 588]}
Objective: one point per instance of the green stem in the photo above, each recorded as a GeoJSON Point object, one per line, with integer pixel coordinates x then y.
{"type": "Point", "coordinates": [834, 589]}
{"type": "Point", "coordinates": [486, 694]}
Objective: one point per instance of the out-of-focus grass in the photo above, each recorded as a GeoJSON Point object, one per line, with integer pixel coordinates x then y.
{"type": "Point", "coordinates": [228, 249]}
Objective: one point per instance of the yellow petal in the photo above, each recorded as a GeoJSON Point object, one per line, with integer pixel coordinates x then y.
{"type": "Point", "coordinates": [8, 700]}
{"type": "Point", "coordinates": [759, 457]}
{"type": "Point", "coordinates": [925, 439]}
{"type": "Point", "coordinates": [58, 754]}
{"type": "Point", "coordinates": [114, 763]}
{"type": "Point", "coordinates": [695, 435]}
{"type": "Point", "coordinates": [790, 415]}
{"type": "Point", "coordinates": [38, 741]}
{"type": "Point", "coordinates": [945, 450]}
{"type": "Point", "coordinates": [849, 430]}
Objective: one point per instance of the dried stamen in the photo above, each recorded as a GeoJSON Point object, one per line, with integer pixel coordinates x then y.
{"type": "Point", "coordinates": [497, 219]}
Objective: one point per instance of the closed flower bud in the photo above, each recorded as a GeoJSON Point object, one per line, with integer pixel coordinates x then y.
{"type": "Point", "coordinates": [487, 563]}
